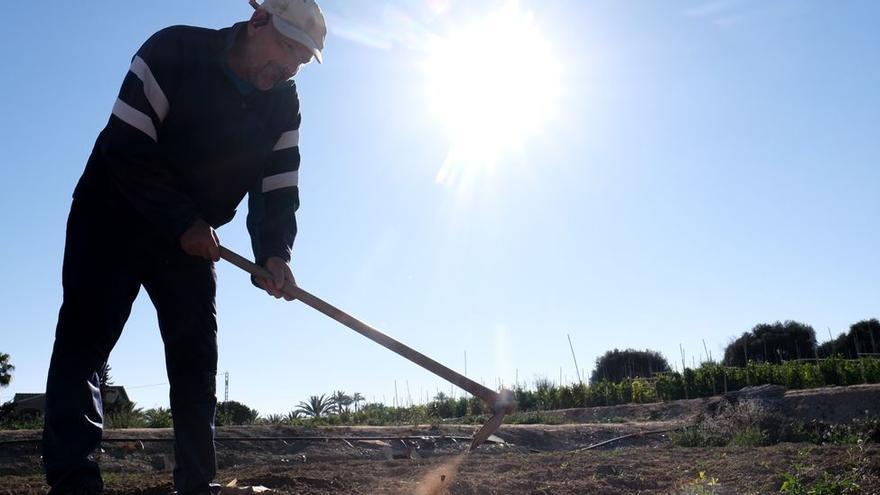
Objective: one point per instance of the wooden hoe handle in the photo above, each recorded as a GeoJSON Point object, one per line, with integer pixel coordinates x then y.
{"type": "Point", "coordinates": [489, 396]}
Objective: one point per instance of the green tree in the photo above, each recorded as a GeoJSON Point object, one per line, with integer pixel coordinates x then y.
{"type": "Point", "coordinates": [442, 406]}
{"type": "Point", "coordinates": [356, 399]}
{"type": "Point", "coordinates": [340, 401]}
{"type": "Point", "coordinates": [106, 381]}
{"type": "Point", "coordinates": [316, 407]}
{"type": "Point", "coordinates": [235, 413]}
{"type": "Point", "coordinates": [6, 369]}
{"type": "Point", "coordinates": [617, 365]}
{"type": "Point", "coordinates": [863, 338]}
{"type": "Point", "coordinates": [772, 343]}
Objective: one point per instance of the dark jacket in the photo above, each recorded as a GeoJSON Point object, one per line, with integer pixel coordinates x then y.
{"type": "Point", "coordinates": [183, 142]}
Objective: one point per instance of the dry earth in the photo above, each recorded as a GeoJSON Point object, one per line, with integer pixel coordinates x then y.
{"type": "Point", "coordinates": [535, 459]}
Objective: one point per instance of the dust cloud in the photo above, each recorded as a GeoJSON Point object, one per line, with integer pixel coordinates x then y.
{"type": "Point", "coordinates": [437, 480]}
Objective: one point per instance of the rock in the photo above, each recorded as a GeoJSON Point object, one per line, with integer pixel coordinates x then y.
{"type": "Point", "coordinates": [767, 394]}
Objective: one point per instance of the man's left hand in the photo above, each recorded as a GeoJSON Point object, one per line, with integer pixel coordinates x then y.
{"type": "Point", "coordinates": [281, 275]}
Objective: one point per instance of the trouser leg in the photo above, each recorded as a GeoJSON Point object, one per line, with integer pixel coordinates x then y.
{"type": "Point", "coordinates": [100, 285]}
{"type": "Point", "coordinates": [183, 290]}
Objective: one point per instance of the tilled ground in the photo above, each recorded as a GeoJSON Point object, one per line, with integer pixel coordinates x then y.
{"type": "Point", "coordinates": [536, 459]}
{"type": "Point", "coordinates": [539, 459]}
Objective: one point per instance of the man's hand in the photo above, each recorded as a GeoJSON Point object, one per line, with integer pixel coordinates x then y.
{"type": "Point", "coordinates": [281, 275]}
{"type": "Point", "coordinates": [201, 240]}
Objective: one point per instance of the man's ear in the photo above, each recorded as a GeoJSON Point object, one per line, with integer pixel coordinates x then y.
{"type": "Point", "coordinates": [259, 19]}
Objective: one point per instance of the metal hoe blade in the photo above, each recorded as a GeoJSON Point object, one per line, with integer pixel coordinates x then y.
{"type": "Point", "coordinates": [501, 403]}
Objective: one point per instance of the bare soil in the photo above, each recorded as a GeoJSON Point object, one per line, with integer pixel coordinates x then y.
{"type": "Point", "coordinates": [534, 459]}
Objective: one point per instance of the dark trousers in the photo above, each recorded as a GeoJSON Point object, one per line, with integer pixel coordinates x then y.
{"type": "Point", "coordinates": [110, 252]}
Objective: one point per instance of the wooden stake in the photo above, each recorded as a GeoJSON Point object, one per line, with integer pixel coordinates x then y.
{"type": "Point", "coordinates": [576, 368]}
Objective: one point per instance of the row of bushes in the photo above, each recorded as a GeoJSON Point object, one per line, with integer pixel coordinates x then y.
{"type": "Point", "coordinates": [707, 380]}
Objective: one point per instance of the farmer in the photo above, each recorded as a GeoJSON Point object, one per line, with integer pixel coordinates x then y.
{"type": "Point", "coordinates": [203, 117]}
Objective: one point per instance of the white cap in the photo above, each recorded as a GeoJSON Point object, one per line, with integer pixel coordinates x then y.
{"type": "Point", "coordinates": [300, 20]}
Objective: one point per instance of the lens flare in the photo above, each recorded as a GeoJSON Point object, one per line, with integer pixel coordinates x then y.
{"type": "Point", "coordinates": [492, 84]}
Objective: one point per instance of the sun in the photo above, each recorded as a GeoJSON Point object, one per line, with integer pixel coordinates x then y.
{"type": "Point", "coordinates": [492, 84]}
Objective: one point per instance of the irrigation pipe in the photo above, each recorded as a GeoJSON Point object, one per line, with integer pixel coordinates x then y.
{"type": "Point", "coordinates": [622, 437]}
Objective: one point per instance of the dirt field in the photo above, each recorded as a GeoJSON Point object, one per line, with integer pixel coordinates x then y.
{"type": "Point", "coordinates": [533, 459]}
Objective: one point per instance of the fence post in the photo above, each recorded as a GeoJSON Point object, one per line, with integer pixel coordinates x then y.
{"type": "Point", "coordinates": [683, 371]}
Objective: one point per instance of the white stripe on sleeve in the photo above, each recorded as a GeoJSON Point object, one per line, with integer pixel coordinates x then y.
{"type": "Point", "coordinates": [278, 181]}
{"type": "Point", "coordinates": [152, 90]}
{"type": "Point", "coordinates": [287, 140]}
{"type": "Point", "coordinates": [134, 118]}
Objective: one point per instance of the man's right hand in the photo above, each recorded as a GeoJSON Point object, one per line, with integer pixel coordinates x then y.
{"type": "Point", "coordinates": [201, 240]}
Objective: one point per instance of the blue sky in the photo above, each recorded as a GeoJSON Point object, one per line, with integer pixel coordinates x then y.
{"type": "Point", "coordinates": [710, 165]}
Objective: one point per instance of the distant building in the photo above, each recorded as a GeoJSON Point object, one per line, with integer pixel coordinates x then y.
{"type": "Point", "coordinates": [28, 404]}
{"type": "Point", "coordinates": [35, 404]}
{"type": "Point", "coordinates": [115, 395]}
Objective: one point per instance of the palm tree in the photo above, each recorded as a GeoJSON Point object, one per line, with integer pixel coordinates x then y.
{"type": "Point", "coordinates": [340, 401]}
{"type": "Point", "coordinates": [292, 416]}
{"type": "Point", "coordinates": [104, 375]}
{"type": "Point", "coordinates": [316, 407]}
{"type": "Point", "coordinates": [272, 419]}
{"type": "Point", "coordinates": [356, 399]}
{"type": "Point", "coordinates": [6, 369]}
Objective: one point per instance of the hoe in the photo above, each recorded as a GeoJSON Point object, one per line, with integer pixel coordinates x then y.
{"type": "Point", "coordinates": [500, 403]}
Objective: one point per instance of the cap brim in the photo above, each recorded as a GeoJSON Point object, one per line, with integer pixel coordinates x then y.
{"type": "Point", "coordinates": [298, 35]}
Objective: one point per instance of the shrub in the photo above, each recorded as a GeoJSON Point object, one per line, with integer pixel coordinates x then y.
{"type": "Point", "coordinates": [744, 424]}
{"type": "Point", "coordinates": [125, 415]}
{"type": "Point", "coordinates": [772, 343]}
{"type": "Point", "coordinates": [750, 436]}
{"type": "Point", "coordinates": [235, 413]}
{"type": "Point", "coordinates": [158, 417]}
{"type": "Point", "coordinates": [617, 365]}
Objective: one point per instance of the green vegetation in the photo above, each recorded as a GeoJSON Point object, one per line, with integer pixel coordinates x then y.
{"type": "Point", "coordinates": [532, 418]}
{"type": "Point", "coordinates": [617, 365]}
{"type": "Point", "coordinates": [745, 424]}
{"type": "Point", "coordinates": [701, 485]}
{"type": "Point", "coordinates": [750, 436]}
{"type": "Point", "coordinates": [863, 337]}
{"type": "Point", "coordinates": [805, 480]}
{"type": "Point", "coordinates": [316, 407]}
{"type": "Point", "coordinates": [6, 369]}
{"type": "Point", "coordinates": [705, 381]}
{"type": "Point", "coordinates": [859, 430]}
{"type": "Point", "coordinates": [772, 343]}
{"type": "Point", "coordinates": [711, 379]}
{"type": "Point", "coordinates": [750, 424]}
{"type": "Point", "coordinates": [124, 416]}
{"type": "Point", "coordinates": [235, 413]}
{"type": "Point", "coordinates": [159, 417]}
{"type": "Point", "coordinates": [780, 353]}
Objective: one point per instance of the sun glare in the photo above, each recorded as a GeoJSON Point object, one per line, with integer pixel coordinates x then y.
{"type": "Point", "coordinates": [492, 84]}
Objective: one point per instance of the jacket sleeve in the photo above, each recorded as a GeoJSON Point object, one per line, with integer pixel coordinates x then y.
{"type": "Point", "coordinates": [131, 141]}
{"type": "Point", "coordinates": [272, 203]}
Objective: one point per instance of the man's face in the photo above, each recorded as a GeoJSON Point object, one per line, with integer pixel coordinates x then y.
{"type": "Point", "coordinates": [271, 56]}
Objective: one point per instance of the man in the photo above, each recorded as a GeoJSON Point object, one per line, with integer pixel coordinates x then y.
{"type": "Point", "coordinates": [203, 117]}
